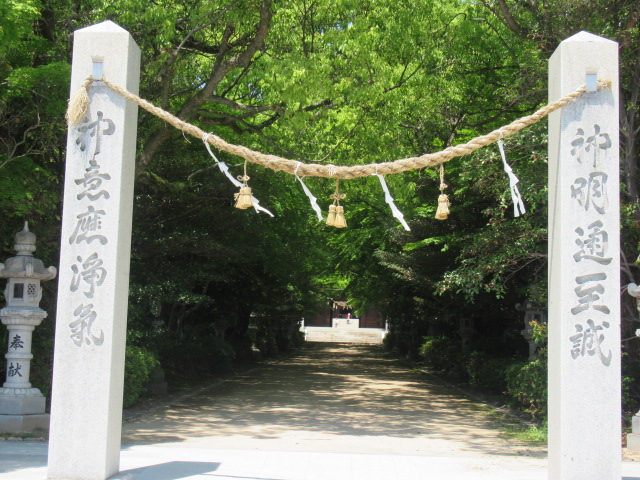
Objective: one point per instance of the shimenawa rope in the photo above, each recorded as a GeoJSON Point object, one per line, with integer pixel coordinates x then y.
{"type": "Point", "coordinates": [79, 103]}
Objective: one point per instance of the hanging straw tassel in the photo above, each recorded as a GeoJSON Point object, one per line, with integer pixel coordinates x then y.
{"type": "Point", "coordinates": [442, 213]}
{"type": "Point", "coordinates": [79, 104]}
{"type": "Point", "coordinates": [244, 198]}
{"type": "Point", "coordinates": [331, 218]}
{"type": "Point", "coordinates": [336, 212]}
{"type": "Point", "coordinates": [340, 221]}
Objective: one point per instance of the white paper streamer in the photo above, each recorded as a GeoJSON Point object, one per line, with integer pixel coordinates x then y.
{"type": "Point", "coordinates": [312, 199]}
{"type": "Point", "coordinates": [224, 168]}
{"type": "Point", "coordinates": [389, 199]}
{"type": "Point", "coordinates": [518, 204]}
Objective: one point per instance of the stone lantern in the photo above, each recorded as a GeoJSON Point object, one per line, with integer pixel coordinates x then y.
{"type": "Point", "coordinates": [633, 438]}
{"type": "Point", "coordinates": [634, 291]}
{"type": "Point", "coordinates": [531, 314]}
{"type": "Point", "coordinates": [22, 408]}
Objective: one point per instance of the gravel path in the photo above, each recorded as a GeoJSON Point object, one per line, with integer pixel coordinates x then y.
{"type": "Point", "coordinates": [329, 398]}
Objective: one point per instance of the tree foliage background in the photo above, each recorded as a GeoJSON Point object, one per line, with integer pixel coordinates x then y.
{"type": "Point", "coordinates": [324, 81]}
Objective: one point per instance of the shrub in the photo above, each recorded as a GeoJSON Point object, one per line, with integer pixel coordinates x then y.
{"type": "Point", "coordinates": [298, 338]}
{"type": "Point", "coordinates": [629, 399]}
{"type": "Point", "coordinates": [630, 382]}
{"type": "Point", "coordinates": [487, 373]}
{"type": "Point", "coordinates": [197, 352]}
{"type": "Point", "coordinates": [527, 383]}
{"type": "Point", "coordinates": [138, 365]}
{"type": "Point", "coordinates": [442, 354]}
{"type": "Point", "coordinates": [264, 337]}
{"type": "Point", "coordinates": [402, 345]}
{"type": "Point", "coordinates": [389, 341]}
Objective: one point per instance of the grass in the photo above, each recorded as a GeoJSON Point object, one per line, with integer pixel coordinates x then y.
{"type": "Point", "coordinates": [35, 435]}
{"type": "Point", "coordinates": [531, 434]}
{"type": "Point", "coordinates": [516, 429]}
{"type": "Point", "coordinates": [509, 425]}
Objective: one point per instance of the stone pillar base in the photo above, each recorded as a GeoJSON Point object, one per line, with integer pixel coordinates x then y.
{"type": "Point", "coordinates": [633, 439]}
{"type": "Point", "coordinates": [23, 401]}
{"type": "Point", "coordinates": [633, 442]}
{"type": "Point", "coordinates": [24, 423]}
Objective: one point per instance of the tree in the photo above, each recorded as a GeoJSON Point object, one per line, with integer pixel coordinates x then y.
{"type": "Point", "coordinates": [548, 24]}
{"type": "Point", "coordinates": [324, 81]}
{"type": "Point", "coordinates": [34, 79]}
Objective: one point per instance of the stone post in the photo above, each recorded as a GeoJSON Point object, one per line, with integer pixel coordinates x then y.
{"type": "Point", "coordinates": [86, 410]}
{"type": "Point", "coordinates": [584, 269]}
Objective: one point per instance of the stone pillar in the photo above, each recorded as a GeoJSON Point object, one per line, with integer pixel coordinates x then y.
{"type": "Point", "coordinates": [86, 410]}
{"type": "Point", "coordinates": [584, 270]}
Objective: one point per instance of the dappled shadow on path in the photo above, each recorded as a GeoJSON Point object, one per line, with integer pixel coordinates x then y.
{"type": "Point", "coordinates": [326, 391]}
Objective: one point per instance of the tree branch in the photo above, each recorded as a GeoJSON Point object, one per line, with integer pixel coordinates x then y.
{"type": "Point", "coordinates": [626, 39]}
{"type": "Point", "coordinates": [219, 70]}
{"type": "Point", "coordinates": [12, 149]}
{"type": "Point", "coordinates": [174, 53]}
{"type": "Point", "coordinates": [508, 19]}
{"type": "Point", "coordinates": [248, 109]}
{"type": "Point", "coordinates": [625, 266]}
{"type": "Point", "coordinates": [236, 123]}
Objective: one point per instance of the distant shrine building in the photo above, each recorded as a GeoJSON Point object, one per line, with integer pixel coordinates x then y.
{"type": "Point", "coordinates": [339, 323]}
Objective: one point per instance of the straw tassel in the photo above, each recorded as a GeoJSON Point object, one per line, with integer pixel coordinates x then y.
{"type": "Point", "coordinates": [340, 221]}
{"type": "Point", "coordinates": [79, 104]}
{"type": "Point", "coordinates": [336, 211]}
{"type": "Point", "coordinates": [442, 213]}
{"type": "Point", "coordinates": [244, 198]}
{"type": "Point", "coordinates": [331, 218]}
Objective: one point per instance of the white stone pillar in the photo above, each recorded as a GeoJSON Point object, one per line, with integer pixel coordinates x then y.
{"type": "Point", "coordinates": [584, 267]}
{"type": "Point", "coordinates": [86, 410]}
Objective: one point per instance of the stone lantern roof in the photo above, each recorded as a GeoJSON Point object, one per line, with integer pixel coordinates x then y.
{"type": "Point", "coordinates": [24, 264]}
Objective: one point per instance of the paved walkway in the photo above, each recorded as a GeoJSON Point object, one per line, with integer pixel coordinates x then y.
{"type": "Point", "coordinates": [334, 412]}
